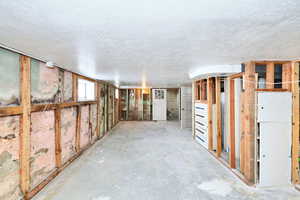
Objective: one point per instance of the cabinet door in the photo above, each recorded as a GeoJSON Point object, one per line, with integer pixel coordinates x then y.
{"type": "Point", "coordinates": [274, 106]}
{"type": "Point", "coordinates": [275, 148]}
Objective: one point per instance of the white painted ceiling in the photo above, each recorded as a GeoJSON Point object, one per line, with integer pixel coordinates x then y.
{"type": "Point", "coordinates": [156, 41]}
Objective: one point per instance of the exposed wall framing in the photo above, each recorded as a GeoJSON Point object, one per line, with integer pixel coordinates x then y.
{"type": "Point", "coordinates": [256, 76]}
{"type": "Point", "coordinates": [135, 104]}
{"type": "Point", "coordinates": [57, 133]}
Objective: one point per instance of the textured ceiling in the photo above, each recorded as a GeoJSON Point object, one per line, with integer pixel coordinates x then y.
{"type": "Point", "coordinates": [158, 42]}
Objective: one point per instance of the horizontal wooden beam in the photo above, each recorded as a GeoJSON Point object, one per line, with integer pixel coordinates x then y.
{"type": "Point", "coordinates": [271, 90]}
{"type": "Point", "coordinates": [265, 62]}
{"type": "Point", "coordinates": [18, 110]}
{"type": "Point", "coordinates": [44, 107]}
{"type": "Point", "coordinates": [86, 78]}
{"type": "Point", "coordinates": [201, 101]}
{"type": "Point", "coordinates": [238, 75]}
{"type": "Point", "coordinates": [7, 111]}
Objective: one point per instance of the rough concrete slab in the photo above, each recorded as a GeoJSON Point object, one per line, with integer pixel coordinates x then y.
{"type": "Point", "coordinates": [152, 161]}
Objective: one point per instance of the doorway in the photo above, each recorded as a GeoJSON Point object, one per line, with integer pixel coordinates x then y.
{"type": "Point", "coordinates": [159, 108]}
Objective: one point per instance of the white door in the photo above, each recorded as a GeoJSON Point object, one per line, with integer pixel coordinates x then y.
{"type": "Point", "coordinates": [159, 104]}
{"type": "Point", "coordinates": [275, 161]}
{"type": "Point", "coordinates": [186, 107]}
{"type": "Point", "coordinates": [274, 117]}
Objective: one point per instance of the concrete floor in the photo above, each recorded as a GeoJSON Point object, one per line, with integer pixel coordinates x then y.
{"type": "Point", "coordinates": [152, 161]}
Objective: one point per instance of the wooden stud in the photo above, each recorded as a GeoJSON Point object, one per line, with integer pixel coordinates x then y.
{"type": "Point", "coordinates": [219, 116]}
{"type": "Point", "coordinates": [270, 75]}
{"type": "Point", "coordinates": [194, 94]}
{"type": "Point", "coordinates": [209, 113]}
{"type": "Point", "coordinates": [74, 87]}
{"type": "Point", "coordinates": [249, 123]}
{"type": "Point", "coordinates": [78, 125]}
{"type": "Point", "coordinates": [242, 133]}
{"type": "Point", "coordinates": [295, 118]}
{"type": "Point", "coordinates": [232, 162]}
{"type": "Point", "coordinates": [25, 125]}
{"type": "Point", "coordinates": [196, 91]}
{"type": "Point", "coordinates": [58, 137]}
{"type": "Point", "coordinates": [286, 76]}
{"type": "Point", "coordinates": [98, 113]}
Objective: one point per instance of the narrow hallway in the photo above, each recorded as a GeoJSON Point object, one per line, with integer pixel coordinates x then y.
{"type": "Point", "coordinates": [151, 161]}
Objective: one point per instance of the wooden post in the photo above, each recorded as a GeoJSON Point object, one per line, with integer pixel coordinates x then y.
{"type": "Point", "coordinates": [194, 97]}
{"type": "Point", "coordinates": [295, 134]}
{"type": "Point", "coordinates": [286, 76]}
{"type": "Point", "coordinates": [195, 93]}
{"type": "Point", "coordinates": [74, 87]}
{"type": "Point", "coordinates": [219, 116]}
{"type": "Point", "coordinates": [98, 107]}
{"type": "Point", "coordinates": [270, 75]}
{"type": "Point", "coordinates": [58, 137]}
{"type": "Point", "coordinates": [78, 125]}
{"type": "Point", "coordinates": [25, 125]}
{"type": "Point", "coordinates": [232, 123]}
{"type": "Point", "coordinates": [249, 123]}
{"type": "Point", "coordinates": [209, 113]}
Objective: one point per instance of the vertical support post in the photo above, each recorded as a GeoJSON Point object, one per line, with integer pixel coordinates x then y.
{"type": "Point", "coordinates": [249, 123]}
{"type": "Point", "coordinates": [270, 75]}
{"type": "Point", "coordinates": [219, 116]}
{"type": "Point", "coordinates": [98, 107]}
{"type": "Point", "coordinates": [75, 88]}
{"type": "Point", "coordinates": [232, 162]}
{"type": "Point", "coordinates": [25, 124]}
{"type": "Point", "coordinates": [78, 125]}
{"type": "Point", "coordinates": [295, 133]}
{"type": "Point", "coordinates": [194, 96]}
{"type": "Point", "coordinates": [58, 137]}
{"type": "Point", "coordinates": [209, 113]}
{"type": "Point", "coordinates": [286, 76]}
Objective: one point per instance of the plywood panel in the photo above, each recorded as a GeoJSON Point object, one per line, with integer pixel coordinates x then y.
{"type": "Point", "coordinates": [9, 158]}
{"type": "Point", "coordinates": [9, 77]}
{"type": "Point", "coordinates": [68, 132]}
{"type": "Point", "coordinates": [42, 146]}
{"type": "Point", "coordinates": [45, 83]}
{"type": "Point", "coordinates": [85, 135]}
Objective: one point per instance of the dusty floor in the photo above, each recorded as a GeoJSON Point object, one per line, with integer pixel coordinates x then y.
{"type": "Point", "coordinates": [152, 161]}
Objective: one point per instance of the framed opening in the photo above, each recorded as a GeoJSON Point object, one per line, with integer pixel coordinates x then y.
{"type": "Point", "coordinates": [278, 76]}
{"type": "Point", "coordinates": [261, 70]}
{"type": "Point", "coordinates": [86, 90]}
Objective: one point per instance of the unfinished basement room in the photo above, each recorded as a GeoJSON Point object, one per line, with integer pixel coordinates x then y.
{"type": "Point", "coordinates": [150, 100]}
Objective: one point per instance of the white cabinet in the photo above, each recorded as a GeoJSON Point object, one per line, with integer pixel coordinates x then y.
{"type": "Point", "coordinates": [201, 124]}
{"type": "Point", "coordinates": [274, 112]}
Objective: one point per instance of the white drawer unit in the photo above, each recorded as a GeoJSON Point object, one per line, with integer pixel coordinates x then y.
{"type": "Point", "coordinates": [201, 124]}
